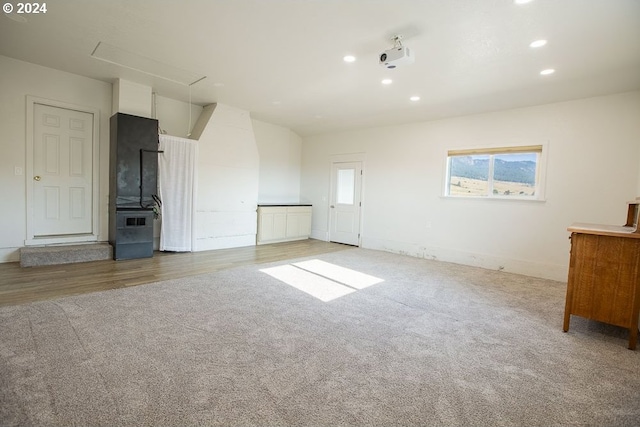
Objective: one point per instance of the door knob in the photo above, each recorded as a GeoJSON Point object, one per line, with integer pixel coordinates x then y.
{"type": "Point", "coordinates": [36, 178]}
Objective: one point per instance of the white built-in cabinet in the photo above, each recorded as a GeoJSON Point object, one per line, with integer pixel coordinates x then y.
{"type": "Point", "coordinates": [281, 223]}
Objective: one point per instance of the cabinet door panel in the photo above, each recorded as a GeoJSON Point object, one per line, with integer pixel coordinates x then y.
{"type": "Point", "coordinates": [283, 223]}
{"type": "Point", "coordinates": [298, 222]}
{"type": "Point", "coordinates": [271, 224]}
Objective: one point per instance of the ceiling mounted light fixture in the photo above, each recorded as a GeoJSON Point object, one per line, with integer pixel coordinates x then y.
{"type": "Point", "coordinates": [386, 81]}
{"type": "Point", "coordinates": [547, 71]}
{"type": "Point", "coordinates": [538, 43]}
{"type": "Point", "coordinates": [349, 58]}
{"type": "Point", "coordinates": [415, 98]}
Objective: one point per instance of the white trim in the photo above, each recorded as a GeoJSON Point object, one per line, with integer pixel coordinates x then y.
{"type": "Point", "coordinates": [319, 235]}
{"type": "Point", "coordinates": [95, 220]}
{"type": "Point", "coordinates": [487, 261]}
{"type": "Point", "coordinates": [59, 240]}
{"type": "Point", "coordinates": [347, 158]}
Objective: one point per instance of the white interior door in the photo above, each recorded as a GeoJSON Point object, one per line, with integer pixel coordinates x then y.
{"type": "Point", "coordinates": [62, 171]}
{"type": "Point", "coordinates": [345, 206]}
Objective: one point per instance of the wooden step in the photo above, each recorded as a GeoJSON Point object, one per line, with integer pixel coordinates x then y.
{"type": "Point", "coordinates": [66, 254]}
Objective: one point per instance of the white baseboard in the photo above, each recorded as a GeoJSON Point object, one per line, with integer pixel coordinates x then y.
{"type": "Point", "coordinates": [208, 244]}
{"type": "Point", "coordinates": [9, 255]}
{"type": "Point", "coordinates": [320, 235]}
{"type": "Point", "coordinates": [491, 262]}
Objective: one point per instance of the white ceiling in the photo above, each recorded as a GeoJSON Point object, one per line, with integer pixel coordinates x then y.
{"type": "Point", "coordinates": [282, 59]}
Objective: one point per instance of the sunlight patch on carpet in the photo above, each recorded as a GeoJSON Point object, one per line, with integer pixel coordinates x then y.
{"type": "Point", "coordinates": [322, 280]}
{"type": "Point", "coordinates": [317, 286]}
{"type": "Point", "coordinates": [346, 276]}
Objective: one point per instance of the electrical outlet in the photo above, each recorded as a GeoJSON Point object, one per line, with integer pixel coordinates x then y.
{"type": "Point", "coordinates": [17, 170]}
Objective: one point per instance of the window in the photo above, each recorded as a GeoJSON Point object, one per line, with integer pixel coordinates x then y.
{"type": "Point", "coordinates": [346, 186]}
{"type": "Point", "coordinates": [504, 172]}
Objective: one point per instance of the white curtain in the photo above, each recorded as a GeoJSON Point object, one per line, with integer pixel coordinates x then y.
{"type": "Point", "coordinates": [176, 188]}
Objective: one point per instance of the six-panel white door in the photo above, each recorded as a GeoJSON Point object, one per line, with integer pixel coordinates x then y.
{"type": "Point", "coordinates": [62, 171]}
{"type": "Point", "coordinates": [344, 212]}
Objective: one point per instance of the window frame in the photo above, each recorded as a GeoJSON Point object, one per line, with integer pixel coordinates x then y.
{"type": "Point", "coordinates": [540, 148]}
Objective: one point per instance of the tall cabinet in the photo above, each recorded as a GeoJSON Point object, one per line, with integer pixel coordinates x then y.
{"type": "Point", "coordinates": [133, 169]}
{"type": "Point", "coordinates": [604, 274]}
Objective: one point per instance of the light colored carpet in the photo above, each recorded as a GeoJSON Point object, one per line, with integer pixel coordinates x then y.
{"type": "Point", "coordinates": [432, 344]}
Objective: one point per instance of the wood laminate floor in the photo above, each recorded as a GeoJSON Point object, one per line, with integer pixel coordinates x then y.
{"type": "Point", "coordinates": [21, 285]}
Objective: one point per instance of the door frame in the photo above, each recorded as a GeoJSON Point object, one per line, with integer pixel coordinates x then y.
{"type": "Point", "coordinates": [346, 158]}
{"type": "Point", "coordinates": [31, 239]}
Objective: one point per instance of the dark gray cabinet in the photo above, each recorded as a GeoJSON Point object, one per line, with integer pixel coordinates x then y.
{"type": "Point", "coordinates": [133, 171]}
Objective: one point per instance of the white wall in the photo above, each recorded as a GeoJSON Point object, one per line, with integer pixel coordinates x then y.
{"type": "Point", "coordinates": [592, 170]}
{"type": "Point", "coordinates": [173, 116]}
{"type": "Point", "coordinates": [131, 98]}
{"type": "Point", "coordinates": [280, 152]}
{"type": "Point", "coordinates": [17, 80]}
{"type": "Point", "coordinates": [227, 179]}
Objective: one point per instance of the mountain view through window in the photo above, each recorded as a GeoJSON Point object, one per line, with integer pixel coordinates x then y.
{"type": "Point", "coordinates": [509, 174]}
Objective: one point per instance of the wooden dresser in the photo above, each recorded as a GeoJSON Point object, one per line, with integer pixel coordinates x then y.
{"type": "Point", "coordinates": [604, 274]}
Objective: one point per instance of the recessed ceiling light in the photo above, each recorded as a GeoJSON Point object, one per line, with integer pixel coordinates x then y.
{"type": "Point", "coordinates": [522, 1]}
{"type": "Point", "coordinates": [538, 43]}
{"type": "Point", "coordinates": [387, 81]}
{"type": "Point", "coordinates": [547, 71]}
{"type": "Point", "coordinates": [349, 58]}
{"type": "Point", "coordinates": [415, 98]}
